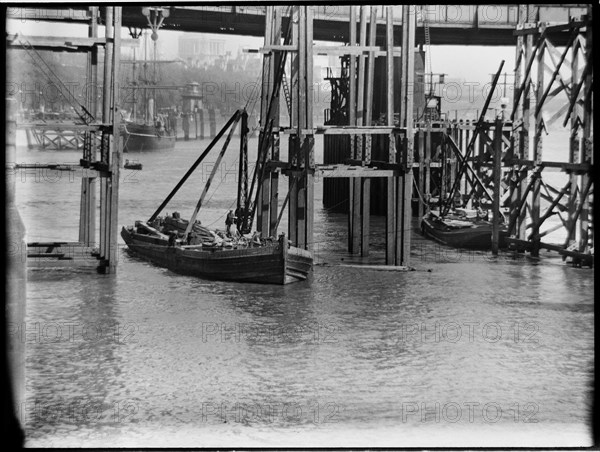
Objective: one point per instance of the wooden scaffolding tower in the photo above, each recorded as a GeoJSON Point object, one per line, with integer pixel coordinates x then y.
{"type": "Point", "coordinates": [102, 149]}
{"type": "Point", "coordinates": [540, 71]}
{"type": "Point", "coordinates": [359, 166]}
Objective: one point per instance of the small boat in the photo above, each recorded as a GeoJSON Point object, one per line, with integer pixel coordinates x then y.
{"type": "Point", "coordinates": [133, 165]}
{"type": "Point", "coordinates": [187, 247]}
{"type": "Point", "coordinates": [269, 263]}
{"type": "Point", "coordinates": [460, 231]}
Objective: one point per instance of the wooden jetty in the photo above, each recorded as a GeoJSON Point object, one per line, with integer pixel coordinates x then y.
{"type": "Point", "coordinates": [70, 255]}
{"type": "Point", "coordinates": [54, 136]}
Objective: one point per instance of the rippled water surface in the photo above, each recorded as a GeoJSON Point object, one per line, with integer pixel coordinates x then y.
{"type": "Point", "coordinates": [465, 350]}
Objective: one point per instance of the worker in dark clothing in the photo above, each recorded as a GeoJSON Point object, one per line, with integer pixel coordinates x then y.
{"type": "Point", "coordinates": [229, 221]}
{"type": "Point", "coordinates": [238, 217]}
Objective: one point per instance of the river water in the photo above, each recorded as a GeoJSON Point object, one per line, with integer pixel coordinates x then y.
{"type": "Point", "coordinates": [466, 350]}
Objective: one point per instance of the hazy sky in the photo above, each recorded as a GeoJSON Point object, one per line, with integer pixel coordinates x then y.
{"type": "Point", "coordinates": [471, 63]}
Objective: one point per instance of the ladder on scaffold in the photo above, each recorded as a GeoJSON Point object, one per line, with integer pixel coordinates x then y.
{"type": "Point", "coordinates": [286, 92]}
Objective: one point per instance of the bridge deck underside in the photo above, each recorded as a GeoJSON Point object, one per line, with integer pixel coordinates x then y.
{"type": "Point", "coordinates": [490, 25]}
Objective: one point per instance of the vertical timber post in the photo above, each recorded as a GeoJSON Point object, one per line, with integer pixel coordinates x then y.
{"type": "Point", "coordinates": [404, 213]}
{"type": "Point", "coordinates": [573, 147]}
{"type": "Point", "coordinates": [390, 218]}
{"type": "Point", "coordinates": [293, 139]}
{"type": "Point", "coordinates": [309, 140]}
{"type": "Point", "coordinates": [517, 135]}
{"type": "Point", "coordinates": [302, 87]}
{"type": "Point", "coordinates": [538, 146]}
{"type": "Point", "coordinates": [524, 149]}
{"type": "Point", "coordinates": [427, 176]}
{"type": "Point", "coordinates": [305, 133]}
{"type": "Point", "coordinates": [366, 157]}
{"type": "Point", "coordinates": [276, 62]}
{"type": "Point", "coordinates": [268, 77]}
{"type": "Point", "coordinates": [116, 147]}
{"type": "Point", "coordinates": [357, 201]}
{"type": "Point", "coordinates": [302, 138]}
{"type": "Point", "coordinates": [86, 211]}
{"type": "Point", "coordinates": [352, 122]}
{"type": "Point", "coordinates": [105, 146]}
{"type": "Point", "coordinates": [497, 177]}
{"type": "Point", "coordinates": [421, 150]}
{"type": "Point", "coordinates": [87, 218]}
{"type": "Point", "coordinates": [587, 143]}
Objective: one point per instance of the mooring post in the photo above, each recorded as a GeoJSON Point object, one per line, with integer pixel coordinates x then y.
{"type": "Point", "coordinates": [212, 122]}
{"type": "Point", "coordinates": [201, 121]}
{"type": "Point", "coordinates": [185, 125]}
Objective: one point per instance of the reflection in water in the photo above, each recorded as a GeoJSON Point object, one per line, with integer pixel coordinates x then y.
{"type": "Point", "coordinates": [77, 334]}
